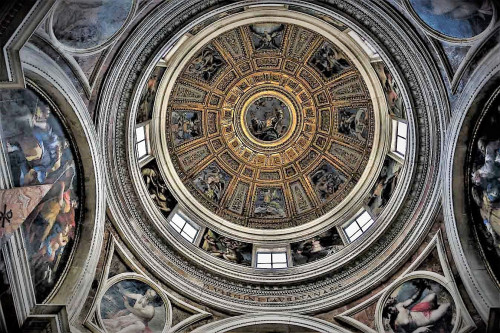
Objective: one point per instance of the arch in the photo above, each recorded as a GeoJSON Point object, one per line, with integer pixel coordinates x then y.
{"type": "Point", "coordinates": [426, 107]}
{"type": "Point", "coordinates": [75, 284]}
{"type": "Point", "coordinates": [480, 285]}
{"type": "Point", "coordinates": [251, 320]}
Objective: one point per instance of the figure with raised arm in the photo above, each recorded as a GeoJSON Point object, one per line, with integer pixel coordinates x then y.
{"type": "Point", "coordinates": [133, 319]}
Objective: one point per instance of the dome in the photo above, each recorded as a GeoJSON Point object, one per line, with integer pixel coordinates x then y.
{"type": "Point", "coordinates": [265, 135]}
{"type": "Point", "coordinates": [249, 165]}
{"type": "Point", "coordinates": [268, 125]}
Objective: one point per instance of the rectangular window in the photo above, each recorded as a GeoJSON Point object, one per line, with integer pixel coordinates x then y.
{"type": "Point", "coordinates": [272, 260]}
{"type": "Point", "coordinates": [141, 141]}
{"type": "Point", "coordinates": [187, 229]}
{"type": "Point", "coordinates": [357, 227]}
{"type": "Point", "coordinates": [400, 136]}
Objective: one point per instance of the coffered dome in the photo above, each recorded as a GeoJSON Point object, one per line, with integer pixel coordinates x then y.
{"type": "Point", "coordinates": [269, 125]}
{"type": "Point", "coordinates": [280, 132]}
{"type": "Point", "coordinates": [249, 165]}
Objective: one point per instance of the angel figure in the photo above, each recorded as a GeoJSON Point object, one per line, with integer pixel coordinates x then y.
{"type": "Point", "coordinates": [267, 39]}
{"type": "Point", "coordinates": [206, 64]}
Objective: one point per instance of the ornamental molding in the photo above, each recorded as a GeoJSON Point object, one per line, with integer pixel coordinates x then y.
{"type": "Point", "coordinates": [46, 76]}
{"type": "Point", "coordinates": [250, 320]}
{"type": "Point", "coordinates": [480, 285]}
{"type": "Point", "coordinates": [12, 68]}
{"type": "Point", "coordinates": [240, 290]}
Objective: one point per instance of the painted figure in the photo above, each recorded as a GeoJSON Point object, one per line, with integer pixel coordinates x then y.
{"type": "Point", "coordinates": [186, 125]}
{"type": "Point", "coordinates": [385, 186]}
{"type": "Point", "coordinates": [145, 111]}
{"type": "Point", "coordinates": [88, 23]}
{"type": "Point", "coordinates": [326, 180]}
{"type": "Point", "coordinates": [132, 306]}
{"type": "Point", "coordinates": [267, 37]}
{"type": "Point", "coordinates": [134, 319]}
{"type": "Point", "coordinates": [157, 189]}
{"type": "Point", "coordinates": [455, 18]}
{"type": "Point", "coordinates": [391, 90]}
{"type": "Point", "coordinates": [316, 248]}
{"type": "Point", "coordinates": [55, 223]}
{"type": "Point", "coordinates": [270, 203]}
{"type": "Point", "coordinates": [227, 249]}
{"type": "Point", "coordinates": [39, 153]}
{"type": "Point", "coordinates": [352, 122]}
{"type": "Point", "coordinates": [149, 94]}
{"type": "Point", "coordinates": [461, 9]}
{"type": "Point", "coordinates": [486, 188]}
{"type": "Point", "coordinates": [50, 228]}
{"type": "Point", "coordinates": [268, 118]}
{"type": "Point", "coordinates": [328, 61]}
{"type": "Point", "coordinates": [212, 182]}
{"type": "Point", "coordinates": [206, 64]}
{"type": "Point", "coordinates": [271, 128]}
{"type": "Point", "coordinates": [421, 312]}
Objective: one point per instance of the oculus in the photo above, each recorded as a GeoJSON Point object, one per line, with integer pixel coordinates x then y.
{"type": "Point", "coordinates": [86, 24]}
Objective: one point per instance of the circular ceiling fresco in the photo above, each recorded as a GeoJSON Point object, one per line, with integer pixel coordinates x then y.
{"type": "Point", "coordinates": [83, 25]}
{"type": "Point", "coordinates": [269, 125]}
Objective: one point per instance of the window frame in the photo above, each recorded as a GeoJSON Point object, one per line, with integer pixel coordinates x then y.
{"type": "Point", "coordinates": [271, 263]}
{"type": "Point", "coordinates": [361, 227]}
{"type": "Point", "coordinates": [396, 138]}
{"type": "Point", "coordinates": [145, 127]}
{"type": "Point", "coordinates": [181, 230]}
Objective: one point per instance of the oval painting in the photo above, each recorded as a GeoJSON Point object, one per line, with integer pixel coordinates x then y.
{"type": "Point", "coordinates": [459, 19]}
{"type": "Point", "coordinates": [85, 24]}
{"type": "Point", "coordinates": [40, 155]}
{"type": "Point", "coordinates": [484, 183]}
{"type": "Point", "coordinates": [133, 306]}
{"type": "Point", "coordinates": [419, 305]}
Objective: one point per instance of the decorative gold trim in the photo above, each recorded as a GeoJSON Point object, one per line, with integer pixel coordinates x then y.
{"type": "Point", "coordinates": [281, 97]}
{"type": "Point", "coordinates": [335, 215]}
